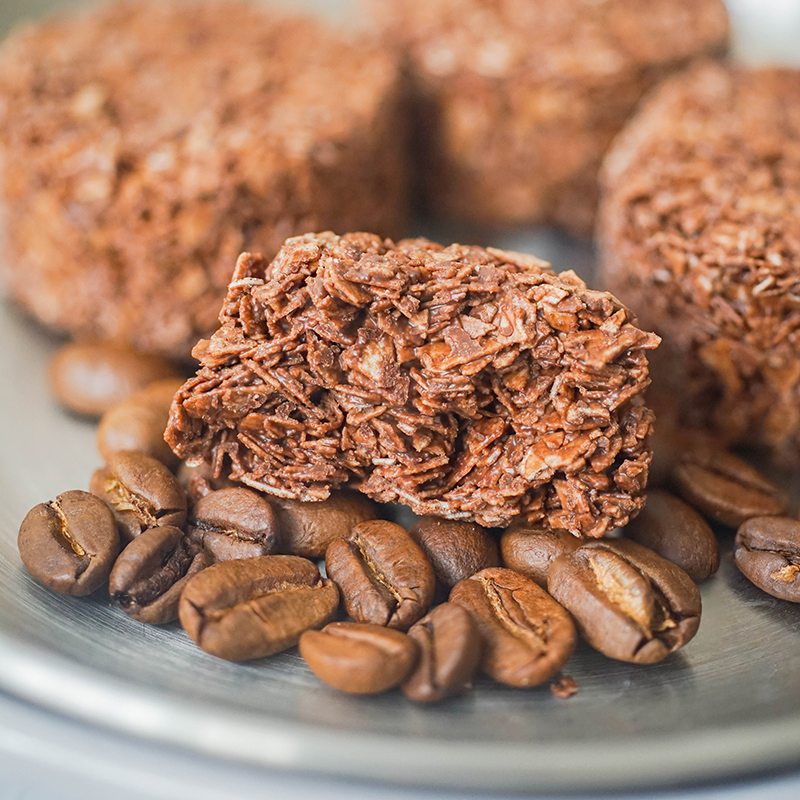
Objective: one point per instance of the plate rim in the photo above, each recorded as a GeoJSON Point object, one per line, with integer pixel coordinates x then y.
{"type": "Point", "coordinates": [57, 683]}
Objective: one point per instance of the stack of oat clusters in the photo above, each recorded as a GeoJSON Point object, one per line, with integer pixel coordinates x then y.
{"type": "Point", "coordinates": [219, 180]}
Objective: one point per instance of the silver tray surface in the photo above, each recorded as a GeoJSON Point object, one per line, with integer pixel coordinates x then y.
{"type": "Point", "coordinates": [728, 704]}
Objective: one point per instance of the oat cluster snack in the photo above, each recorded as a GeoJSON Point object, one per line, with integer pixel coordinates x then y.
{"type": "Point", "coordinates": [144, 145]}
{"type": "Point", "coordinates": [466, 383]}
{"type": "Point", "coordinates": [700, 233]}
{"type": "Point", "coordinates": [518, 100]}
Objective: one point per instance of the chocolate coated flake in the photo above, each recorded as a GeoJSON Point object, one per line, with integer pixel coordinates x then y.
{"type": "Point", "coordinates": [465, 383]}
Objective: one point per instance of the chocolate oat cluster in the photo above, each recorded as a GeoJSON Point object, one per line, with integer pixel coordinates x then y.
{"type": "Point", "coordinates": [517, 101]}
{"type": "Point", "coordinates": [144, 145]}
{"type": "Point", "coordinates": [700, 233]}
{"type": "Point", "coordinates": [466, 383]}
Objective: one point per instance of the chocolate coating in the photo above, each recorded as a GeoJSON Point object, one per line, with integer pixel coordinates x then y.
{"type": "Point", "coordinates": [517, 101]}
{"type": "Point", "coordinates": [465, 383]}
{"type": "Point", "coordinates": [699, 231]}
{"type": "Point", "coordinates": [144, 145]}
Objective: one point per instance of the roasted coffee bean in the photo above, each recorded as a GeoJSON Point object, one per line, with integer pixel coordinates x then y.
{"type": "Point", "coordinates": [358, 658]}
{"type": "Point", "coordinates": [456, 550]}
{"type": "Point", "coordinates": [90, 377]}
{"type": "Point", "coordinates": [138, 423]}
{"type": "Point", "coordinates": [628, 602]}
{"type": "Point", "coordinates": [141, 491]}
{"type": "Point", "coordinates": [234, 523]}
{"type": "Point", "coordinates": [308, 528]}
{"type": "Point", "coordinates": [382, 574]}
{"type": "Point", "coordinates": [725, 488]}
{"type": "Point", "coordinates": [69, 544]}
{"type": "Point", "coordinates": [527, 636]}
{"type": "Point", "coordinates": [254, 607]}
{"type": "Point", "coordinates": [449, 653]}
{"type": "Point", "coordinates": [678, 533]}
{"type": "Point", "coordinates": [530, 550]}
{"type": "Point", "coordinates": [152, 571]}
{"type": "Point", "coordinates": [767, 552]}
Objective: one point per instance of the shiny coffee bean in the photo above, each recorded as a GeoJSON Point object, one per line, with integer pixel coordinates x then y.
{"type": "Point", "coordinates": [308, 528]}
{"type": "Point", "coordinates": [382, 574]}
{"type": "Point", "coordinates": [767, 553]}
{"type": "Point", "coordinates": [234, 523]}
{"type": "Point", "coordinates": [628, 602]}
{"type": "Point", "coordinates": [530, 550]}
{"type": "Point", "coordinates": [138, 423]}
{"type": "Point", "coordinates": [456, 550]}
{"type": "Point", "coordinates": [254, 607]}
{"type": "Point", "coordinates": [449, 653]}
{"type": "Point", "coordinates": [358, 658]}
{"type": "Point", "coordinates": [152, 571]}
{"type": "Point", "coordinates": [141, 491]}
{"type": "Point", "coordinates": [90, 377]}
{"type": "Point", "coordinates": [678, 533]}
{"type": "Point", "coordinates": [69, 544]}
{"type": "Point", "coordinates": [527, 636]}
{"type": "Point", "coordinates": [725, 488]}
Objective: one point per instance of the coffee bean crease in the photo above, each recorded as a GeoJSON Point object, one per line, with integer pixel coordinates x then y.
{"type": "Point", "coordinates": [65, 534]}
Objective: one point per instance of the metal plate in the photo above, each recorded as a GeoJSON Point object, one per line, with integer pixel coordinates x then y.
{"type": "Point", "coordinates": [729, 703]}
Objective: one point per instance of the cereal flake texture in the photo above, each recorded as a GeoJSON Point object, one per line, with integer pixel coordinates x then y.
{"type": "Point", "coordinates": [464, 382]}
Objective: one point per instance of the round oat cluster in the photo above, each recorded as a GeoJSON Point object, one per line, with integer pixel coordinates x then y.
{"type": "Point", "coordinates": [144, 145]}
{"type": "Point", "coordinates": [699, 231]}
{"type": "Point", "coordinates": [518, 100]}
{"type": "Point", "coordinates": [464, 382]}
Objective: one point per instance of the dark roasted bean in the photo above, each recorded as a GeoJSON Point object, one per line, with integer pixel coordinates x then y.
{"type": "Point", "coordinates": [382, 574]}
{"type": "Point", "coordinates": [678, 533]}
{"type": "Point", "coordinates": [527, 636]}
{"type": "Point", "coordinates": [69, 544]}
{"type": "Point", "coordinates": [530, 550]}
{"type": "Point", "coordinates": [138, 423]}
{"type": "Point", "coordinates": [628, 602]}
{"type": "Point", "coordinates": [725, 488]}
{"type": "Point", "coordinates": [234, 523]}
{"type": "Point", "coordinates": [152, 571]}
{"type": "Point", "coordinates": [141, 491]}
{"type": "Point", "coordinates": [449, 653]}
{"type": "Point", "coordinates": [456, 550]}
{"type": "Point", "coordinates": [254, 607]}
{"type": "Point", "coordinates": [90, 377]}
{"type": "Point", "coordinates": [308, 528]}
{"type": "Point", "coordinates": [768, 554]}
{"type": "Point", "coordinates": [358, 658]}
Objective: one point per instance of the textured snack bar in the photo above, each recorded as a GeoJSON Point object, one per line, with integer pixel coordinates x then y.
{"type": "Point", "coordinates": [144, 145]}
{"type": "Point", "coordinates": [465, 383]}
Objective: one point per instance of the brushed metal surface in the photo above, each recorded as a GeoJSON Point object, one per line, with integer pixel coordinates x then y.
{"type": "Point", "coordinates": [729, 704]}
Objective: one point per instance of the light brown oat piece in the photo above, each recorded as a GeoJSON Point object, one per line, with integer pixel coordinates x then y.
{"type": "Point", "coordinates": [699, 232]}
{"type": "Point", "coordinates": [465, 383]}
{"type": "Point", "coordinates": [144, 145]}
{"type": "Point", "coordinates": [518, 100]}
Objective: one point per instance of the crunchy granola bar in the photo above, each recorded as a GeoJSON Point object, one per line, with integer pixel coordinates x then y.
{"type": "Point", "coordinates": [518, 100]}
{"type": "Point", "coordinates": [144, 145]}
{"type": "Point", "coordinates": [467, 383]}
{"type": "Point", "coordinates": [700, 233]}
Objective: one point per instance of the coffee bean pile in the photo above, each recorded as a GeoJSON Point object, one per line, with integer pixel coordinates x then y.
{"type": "Point", "coordinates": [428, 606]}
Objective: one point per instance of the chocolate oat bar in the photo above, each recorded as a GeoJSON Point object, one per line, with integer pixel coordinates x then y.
{"type": "Point", "coordinates": [700, 232]}
{"type": "Point", "coordinates": [144, 145]}
{"type": "Point", "coordinates": [464, 382]}
{"type": "Point", "coordinates": [518, 100]}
